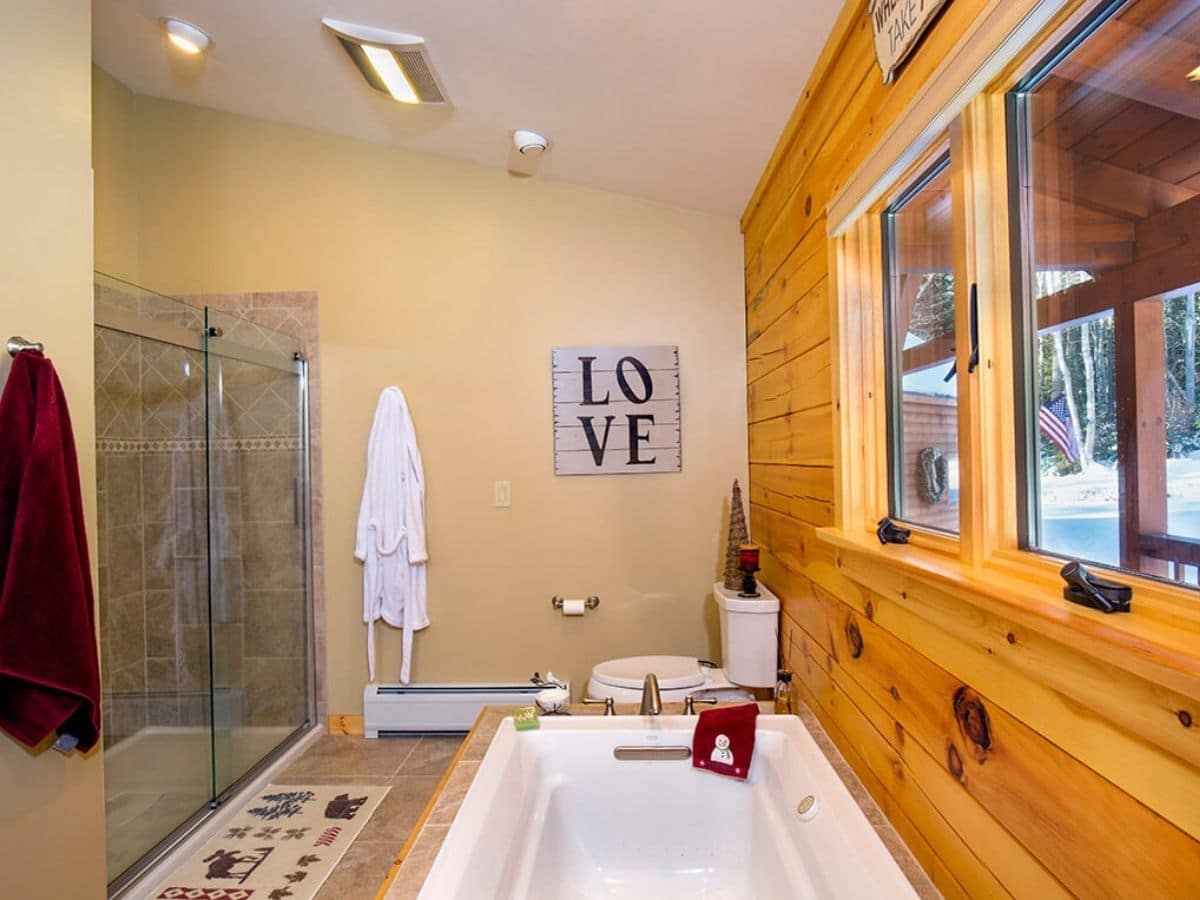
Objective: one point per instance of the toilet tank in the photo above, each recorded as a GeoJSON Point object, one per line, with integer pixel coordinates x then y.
{"type": "Point", "coordinates": [749, 636]}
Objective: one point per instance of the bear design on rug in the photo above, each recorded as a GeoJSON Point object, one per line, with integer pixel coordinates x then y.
{"type": "Point", "coordinates": [234, 864]}
{"type": "Point", "coordinates": [342, 807]}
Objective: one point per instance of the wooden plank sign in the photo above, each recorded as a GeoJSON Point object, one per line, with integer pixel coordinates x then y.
{"type": "Point", "coordinates": [898, 25]}
{"type": "Point", "coordinates": [616, 410]}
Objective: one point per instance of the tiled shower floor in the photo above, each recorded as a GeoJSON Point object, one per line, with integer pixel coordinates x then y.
{"type": "Point", "coordinates": [413, 766]}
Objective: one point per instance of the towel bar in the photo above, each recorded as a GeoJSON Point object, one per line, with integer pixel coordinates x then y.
{"type": "Point", "coordinates": [16, 344]}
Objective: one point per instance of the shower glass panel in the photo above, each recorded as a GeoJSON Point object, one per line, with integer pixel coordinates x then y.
{"type": "Point", "coordinates": [203, 560]}
{"type": "Point", "coordinates": [258, 564]}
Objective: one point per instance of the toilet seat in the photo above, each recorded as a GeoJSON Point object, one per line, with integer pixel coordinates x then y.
{"type": "Point", "coordinates": [673, 672]}
{"type": "Point", "coordinates": [678, 676]}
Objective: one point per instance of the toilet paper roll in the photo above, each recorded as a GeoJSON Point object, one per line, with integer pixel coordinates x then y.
{"type": "Point", "coordinates": [573, 607]}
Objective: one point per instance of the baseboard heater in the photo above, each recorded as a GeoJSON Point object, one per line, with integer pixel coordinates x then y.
{"type": "Point", "coordinates": [395, 709]}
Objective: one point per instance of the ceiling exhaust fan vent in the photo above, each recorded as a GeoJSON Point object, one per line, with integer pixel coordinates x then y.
{"type": "Point", "coordinates": [392, 62]}
{"type": "Point", "coordinates": [420, 75]}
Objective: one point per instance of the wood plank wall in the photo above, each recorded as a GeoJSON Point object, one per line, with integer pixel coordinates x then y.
{"type": "Point", "coordinates": [1012, 764]}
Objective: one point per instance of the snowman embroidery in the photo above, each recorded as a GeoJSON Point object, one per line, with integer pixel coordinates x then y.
{"type": "Point", "coordinates": [721, 752]}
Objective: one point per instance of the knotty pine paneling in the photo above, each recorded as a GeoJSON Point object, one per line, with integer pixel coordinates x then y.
{"type": "Point", "coordinates": [802, 383]}
{"type": "Point", "coordinates": [803, 269]}
{"type": "Point", "coordinates": [805, 492]}
{"type": "Point", "coordinates": [802, 326]}
{"type": "Point", "coordinates": [1012, 764]}
{"type": "Point", "coordinates": [799, 438]}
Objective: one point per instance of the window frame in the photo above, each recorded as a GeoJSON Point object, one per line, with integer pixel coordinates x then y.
{"type": "Point", "coordinates": [931, 167]}
{"type": "Point", "coordinates": [992, 539]}
{"type": "Point", "coordinates": [1021, 262]}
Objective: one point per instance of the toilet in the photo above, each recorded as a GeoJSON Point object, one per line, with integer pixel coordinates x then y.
{"type": "Point", "coordinates": [749, 645]}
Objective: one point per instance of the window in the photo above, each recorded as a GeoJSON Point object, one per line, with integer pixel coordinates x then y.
{"type": "Point", "coordinates": [921, 382]}
{"type": "Point", "coordinates": [1106, 157]}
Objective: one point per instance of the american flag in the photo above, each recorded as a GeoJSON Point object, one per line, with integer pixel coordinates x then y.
{"type": "Point", "coordinates": [1054, 420]}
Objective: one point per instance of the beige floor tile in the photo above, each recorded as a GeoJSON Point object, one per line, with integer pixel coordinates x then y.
{"type": "Point", "coordinates": [345, 755]}
{"type": "Point", "coordinates": [359, 873]}
{"type": "Point", "coordinates": [432, 756]}
{"type": "Point", "coordinates": [285, 778]}
{"type": "Point", "coordinates": [334, 759]}
{"type": "Point", "coordinates": [400, 809]}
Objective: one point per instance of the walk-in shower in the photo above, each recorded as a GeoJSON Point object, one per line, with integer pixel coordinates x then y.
{"type": "Point", "coordinates": [204, 559]}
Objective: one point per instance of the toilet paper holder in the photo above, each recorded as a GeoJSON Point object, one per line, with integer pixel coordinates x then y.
{"type": "Point", "coordinates": [589, 603]}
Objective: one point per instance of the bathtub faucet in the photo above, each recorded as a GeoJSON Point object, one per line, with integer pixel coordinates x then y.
{"type": "Point", "coordinates": [651, 698]}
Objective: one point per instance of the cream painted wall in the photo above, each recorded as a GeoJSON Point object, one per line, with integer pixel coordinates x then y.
{"type": "Point", "coordinates": [52, 811]}
{"type": "Point", "coordinates": [454, 281]}
{"type": "Point", "coordinates": [114, 162]}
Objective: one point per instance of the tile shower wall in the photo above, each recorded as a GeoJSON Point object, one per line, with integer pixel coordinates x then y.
{"type": "Point", "coordinates": [149, 402]}
{"type": "Point", "coordinates": [273, 653]}
{"type": "Point", "coordinates": [153, 536]}
{"type": "Point", "coordinates": [121, 539]}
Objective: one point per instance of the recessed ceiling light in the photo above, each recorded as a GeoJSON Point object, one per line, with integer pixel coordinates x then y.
{"type": "Point", "coordinates": [185, 36]}
{"type": "Point", "coordinates": [389, 71]}
{"type": "Point", "coordinates": [391, 61]}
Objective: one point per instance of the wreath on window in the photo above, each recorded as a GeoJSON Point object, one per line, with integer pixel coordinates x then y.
{"type": "Point", "coordinates": [933, 475]}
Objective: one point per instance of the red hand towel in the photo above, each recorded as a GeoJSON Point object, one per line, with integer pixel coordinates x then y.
{"type": "Point", "coordinates": [723, 741]}
{"type": "Point", "coordinates": [49, 670]}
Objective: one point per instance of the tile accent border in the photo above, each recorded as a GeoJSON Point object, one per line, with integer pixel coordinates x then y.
{"type": "Point", "coordinates": [137, 446]}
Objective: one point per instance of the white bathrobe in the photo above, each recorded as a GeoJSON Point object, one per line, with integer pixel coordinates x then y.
{"type": "Point", "coordinates": [390, 539]}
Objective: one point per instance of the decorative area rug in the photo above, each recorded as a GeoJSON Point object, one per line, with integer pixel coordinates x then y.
{"type": "Point", "coordinates": [281, 845]}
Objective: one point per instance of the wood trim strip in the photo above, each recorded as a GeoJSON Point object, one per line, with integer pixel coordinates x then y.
{"type": "Point", "coordinates": [346, 723]}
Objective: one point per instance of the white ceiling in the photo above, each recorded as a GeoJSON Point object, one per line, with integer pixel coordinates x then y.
{"type": "Point", "coordinates": [679, 101]}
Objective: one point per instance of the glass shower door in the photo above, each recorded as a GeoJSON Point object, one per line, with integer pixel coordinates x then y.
{"type": "Point", "coordinates": [203, 545]}
{"type": "Point", "coordinates": [258, 525]}
{"type": "Point", "coordinates": [153, 573]}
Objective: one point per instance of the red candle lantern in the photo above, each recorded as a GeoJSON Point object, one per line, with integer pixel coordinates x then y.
{"type": "Point", "coordinates": [748, 562]}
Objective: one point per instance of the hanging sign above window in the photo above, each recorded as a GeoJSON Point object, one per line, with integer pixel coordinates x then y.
{"type": "Point", "coordinates": [616, 410]}
{"type": "Point", "coordinates": [898, 25]}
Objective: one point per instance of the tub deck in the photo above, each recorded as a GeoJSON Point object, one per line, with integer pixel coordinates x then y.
{"type": "Point", "coordinates": [413, 863]}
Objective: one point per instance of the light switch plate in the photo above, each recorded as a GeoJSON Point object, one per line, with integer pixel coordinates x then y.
{"type": "Point", "coordinates": [503, 493]}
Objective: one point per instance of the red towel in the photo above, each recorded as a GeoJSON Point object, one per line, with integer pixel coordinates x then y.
{"type": "Point", "coordinates": [723, 741]}
{"type": "Point", "coordinates": [49, 671]}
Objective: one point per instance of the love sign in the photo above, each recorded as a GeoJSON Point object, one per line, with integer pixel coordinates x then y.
{"type": "Point", "coordinates": [616, 410]}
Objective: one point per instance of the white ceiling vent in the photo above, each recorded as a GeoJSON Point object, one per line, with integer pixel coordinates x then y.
{"type": "Point", "coordinates": [392, 62]}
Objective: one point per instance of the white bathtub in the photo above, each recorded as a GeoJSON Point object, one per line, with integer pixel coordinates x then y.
{"type": "Point", "coordinates": [552, 815]}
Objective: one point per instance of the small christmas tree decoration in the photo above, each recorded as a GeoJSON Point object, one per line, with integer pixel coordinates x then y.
{"type": "Point", "coordinates": [738, 535]}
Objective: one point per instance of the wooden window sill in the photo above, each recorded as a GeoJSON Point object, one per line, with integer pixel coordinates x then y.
{"type": "Point", "coordinates": [1159, 640]}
